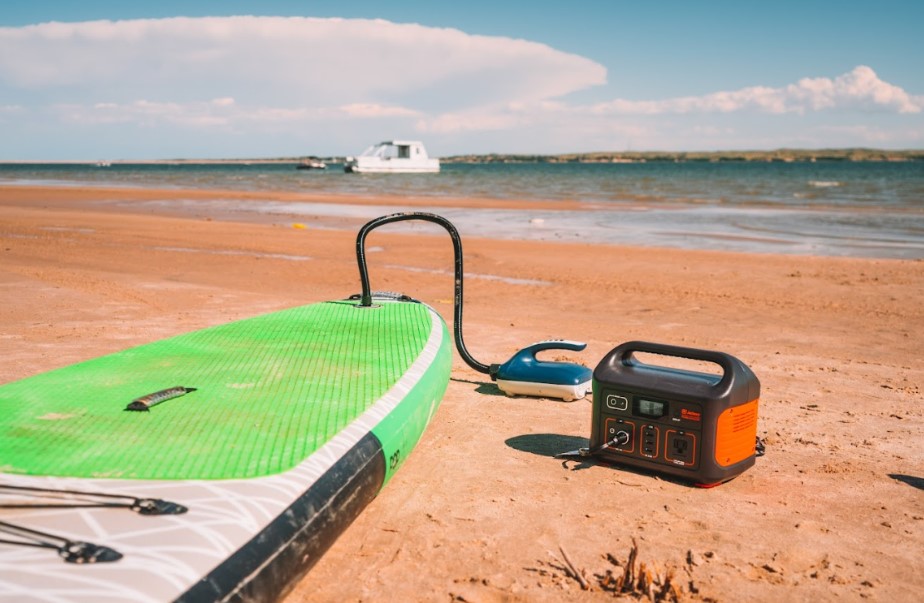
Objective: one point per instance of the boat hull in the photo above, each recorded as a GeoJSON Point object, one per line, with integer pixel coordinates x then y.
{"type": "Point", "coordinates": [390, 170]}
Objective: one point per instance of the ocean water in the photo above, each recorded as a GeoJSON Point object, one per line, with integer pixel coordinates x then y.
{"type": "Point", "coordinates": [866, 209]}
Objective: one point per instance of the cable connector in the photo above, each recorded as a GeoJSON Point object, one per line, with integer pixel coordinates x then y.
{"type": "Point", "coordinates": [620, 439]}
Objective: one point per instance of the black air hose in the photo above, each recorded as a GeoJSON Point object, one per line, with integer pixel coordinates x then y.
{"type": "Point", "coordinates": [366, 298]}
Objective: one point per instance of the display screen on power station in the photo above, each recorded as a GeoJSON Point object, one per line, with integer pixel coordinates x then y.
{"type": "Point", "coordinates": [651, 408]}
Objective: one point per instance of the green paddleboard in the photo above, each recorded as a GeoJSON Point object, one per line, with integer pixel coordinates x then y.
{"type": "Point", "coordinates": [284, 427]}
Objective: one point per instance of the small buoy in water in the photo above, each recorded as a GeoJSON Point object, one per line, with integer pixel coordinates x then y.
{"type": "Point", "coordinates": [299, 225]}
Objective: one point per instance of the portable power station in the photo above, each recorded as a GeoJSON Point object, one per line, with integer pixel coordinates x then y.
{"type": "Point", "coordinates": [695, 426]}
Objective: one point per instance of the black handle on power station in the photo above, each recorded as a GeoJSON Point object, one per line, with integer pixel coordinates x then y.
{"type": "Point", "coordinates": [624, 352]}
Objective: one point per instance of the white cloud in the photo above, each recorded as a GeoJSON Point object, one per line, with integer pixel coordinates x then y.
{"type": "Point", "coordinates": [256, 77]}
{"type": "Point", "coordinates": [372, 110]}
{"type": "Point", "coordinates": [863, 89]}
{"type": "Point", "coordinates": [277, 61]}
{"type": "Point", "coordinates": [479, 119]}
{"type": "Point", "coordinates": [860, 89]}
{"type": "Point", "coordinates": [149, 113]}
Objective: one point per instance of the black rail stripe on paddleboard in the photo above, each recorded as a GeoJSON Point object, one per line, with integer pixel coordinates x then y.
{"type": "Point", "coordinates": [273, 560]}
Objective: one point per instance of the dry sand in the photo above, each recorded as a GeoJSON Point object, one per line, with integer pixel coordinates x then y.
{"type": "Point", "coordinates": [481, 511]}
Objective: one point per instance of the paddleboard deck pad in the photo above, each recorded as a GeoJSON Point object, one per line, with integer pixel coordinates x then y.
{"type": "Point", "coordinates": [251, 447]}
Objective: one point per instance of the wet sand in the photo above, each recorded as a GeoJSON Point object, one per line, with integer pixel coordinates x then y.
{"type": "Point", "coordinates": [481, 511]}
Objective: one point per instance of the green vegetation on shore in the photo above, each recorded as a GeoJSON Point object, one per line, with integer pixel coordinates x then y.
{"type": "Point", "coordinates": [781, 155]}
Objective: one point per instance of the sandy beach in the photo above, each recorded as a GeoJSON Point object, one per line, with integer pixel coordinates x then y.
{"type": "Point", "coordinates": [482, 511]}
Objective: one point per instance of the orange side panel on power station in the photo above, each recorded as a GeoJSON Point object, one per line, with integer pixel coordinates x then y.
{"type": "Point", "coordinates": [736, 433]}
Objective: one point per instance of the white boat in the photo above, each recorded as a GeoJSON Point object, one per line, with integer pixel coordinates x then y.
{"type": "Point", "coordinates": [393, 157]}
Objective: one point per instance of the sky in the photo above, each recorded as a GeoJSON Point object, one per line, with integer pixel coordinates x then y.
{"type": "Point", "coordinates": [100, 79]}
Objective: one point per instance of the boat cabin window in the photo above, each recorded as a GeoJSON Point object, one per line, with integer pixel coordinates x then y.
{"type": "Point", "coordinates": [389, 151]}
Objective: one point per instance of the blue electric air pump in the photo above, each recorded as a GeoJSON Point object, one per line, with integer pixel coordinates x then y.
{"type": "Point", "coordinates": [526, 375]}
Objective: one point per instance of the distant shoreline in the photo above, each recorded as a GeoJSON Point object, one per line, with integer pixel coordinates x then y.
{"type": "Point", "coordinates": [778, 155]}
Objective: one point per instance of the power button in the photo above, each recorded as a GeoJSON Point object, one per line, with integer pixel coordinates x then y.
{"type": "Point", "coordinates": [615, 402]}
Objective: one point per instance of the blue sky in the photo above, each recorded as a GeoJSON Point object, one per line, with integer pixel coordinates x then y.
{"type": "Point", "coordinates": [116, 80]}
